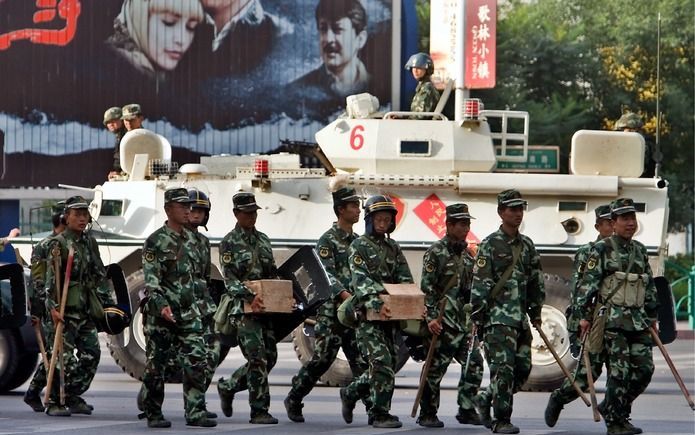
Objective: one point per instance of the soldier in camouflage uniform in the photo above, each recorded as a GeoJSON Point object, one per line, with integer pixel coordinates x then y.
{"type": "Point", "coordinates": [80, 347]}
{"type": "Point", "coordinates": [114, 123]}
{"type": "Point", "coordinates": [39, 258]}
{"type": "Point", "coordinates": [426, 96]}
{"type": "Point", "coordinates": [566, 393]}
{"type": "Point", "coordinates": [375, 259]}
{"type": "Point", "coordinates": [500, 307]}
{"type": "Point", "coordinates": [329, 334]}
{"type": "Point", "coordinates": [172, 318]}
{"type": "Point", "coordinates": [245, 255]}
{"type": "Point", "coordinates": [199, 216]}
{"type": "Point", "coordinates": [447, 274]}
{"type": "Point", "coordinates": [618, 275]}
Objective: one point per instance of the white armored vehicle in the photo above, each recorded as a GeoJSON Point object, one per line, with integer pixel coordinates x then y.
{"type": "Point", "coordinates": [424, 165]}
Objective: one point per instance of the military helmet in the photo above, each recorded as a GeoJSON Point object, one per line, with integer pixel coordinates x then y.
{"type": "Point", "coordinates": [115, 320]}
{"type": "Point", "coordinates": [112, 114]}
{"type": "Point", "coordinates": [421, 60]}
{"type": "Point", "coordinates": [375, 204]}
{"type": "Point", "coordinates": [629, 120]}
{"type": "Point", "coordinates": [200, 200]}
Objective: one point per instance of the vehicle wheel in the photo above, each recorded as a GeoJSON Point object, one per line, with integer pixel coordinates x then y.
{"type": "Point", "coordinates": [25, 370]}
{"type": "Point", "coordinates": [339, 373]}
{"type": "Point", "coordinates": [9, 359]}
{"type": "Point", "coordinates": [546, 374]}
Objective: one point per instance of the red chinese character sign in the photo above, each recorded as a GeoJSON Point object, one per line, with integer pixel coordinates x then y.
{"type": "Point", "coordinates": [432, 212]}
{"type": "Point", "coordinates": [481, 44]}
{"type": "Point", "coordinates": [66, 11]}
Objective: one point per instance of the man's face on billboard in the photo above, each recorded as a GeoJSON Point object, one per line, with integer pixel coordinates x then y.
{"type": "Point", "coordinates": [339, 42]}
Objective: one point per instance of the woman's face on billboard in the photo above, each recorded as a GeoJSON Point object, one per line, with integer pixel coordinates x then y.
{"type": "Point", "coordinates": [169, 37]}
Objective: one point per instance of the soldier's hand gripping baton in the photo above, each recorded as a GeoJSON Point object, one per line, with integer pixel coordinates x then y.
{"type": "Point", "coordinates": [568, 375]}
{"type": "Point", "coordinates": [679, 380]}
{"type": "Point", "coordinates": [58, 341]}
{"type": "Point", "coordinates": [428, 363]}
{"type": "Point", "coordinates": [590, 378]}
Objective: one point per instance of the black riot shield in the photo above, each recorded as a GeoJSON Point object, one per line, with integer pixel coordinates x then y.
{"type": "Point", "coordinates": [13, 298]}
{"type": "Point", "coordinates": [311, 287]}
{"type": "Point", "coordinates": [115, 274]}
{"type": "Point", "coordinates": [667, 310]}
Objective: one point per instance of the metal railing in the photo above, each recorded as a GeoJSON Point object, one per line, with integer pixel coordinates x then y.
{"type": "Point", "coordinates": [689, 297]}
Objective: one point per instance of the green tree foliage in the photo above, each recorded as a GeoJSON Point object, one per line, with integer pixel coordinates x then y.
{"type": "Point", "coordinates": [579, 64]}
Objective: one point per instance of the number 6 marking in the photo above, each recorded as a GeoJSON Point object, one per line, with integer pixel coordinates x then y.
{"type": "Point", "coordinates": [356, 139]}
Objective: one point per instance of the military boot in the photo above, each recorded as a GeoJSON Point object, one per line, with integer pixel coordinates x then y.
{"type": "Point", "coordinates": [468, 416]}
{"type": "Point", "coordinates": [483, 409]}
{"type": "Point", "coordinates": [429, 421]}
{"type": "Point", "coordinates": [294, 409]}
{"type": "Point", "coordinates": [77, 405]}
{"type": "Point", "coordinates": [158, 423]}
{"type": "Point", "coordinates": [618, 428]}
{"type": "Point", "coordinates": [55, 410]}
{"type": "Point", "coordinates": [504, 427]}
{"type": "Point", "coordinates": [33, 398]}
{"type": "Point", "coordinates": [552, 411]}
{"type": "Point", "coordinates": [201, 422]}
{"type": "Point", "coordinates": [386, 422]}
{"type": "Point", "coordinates": [347, 407]}
{"type": "Point", "coordinates": [263, 418]}
{"type": "Point", "coordinates": [635, 430]}
{"type": "Point", "coordinates": [226, 399]}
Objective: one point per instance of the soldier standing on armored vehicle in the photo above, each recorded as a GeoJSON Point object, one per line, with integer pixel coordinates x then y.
{"type": "Point", "coordinates": [447, 274]}
{"type": "Point", "coordinates": [87, 280]}
{"type": "Point", "coordinates": [632, 122]}
{"type": "Point", "coordinates": [333, 247]}
{"type": "Point", "coordinates": [198, 217]}
{"type": "Point", "coordinates": [39, 264]}
{"type": "Point", "coordinates": [566, 393]}
{"type": "Point", "coordinates": [132, 116]}
{"type": "Point", "coordinates": [619, 280]}
{"type": "Point", "coordinates": [375, 259]}
{"type": "Point", "coordinates": [426, 96]}
{"type": "Point", "coordinates": [172, 318]}
{"type": "Point", "coordinates": [246, 254]}
{"type": "Point", "coordinates": [507, 285]}
{"type": "Point", "coordinates": [114, 123]}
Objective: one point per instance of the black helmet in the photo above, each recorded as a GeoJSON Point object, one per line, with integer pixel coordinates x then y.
{"type": "Point", "coordinates": [200, 200]}
{"type": "Point", "coordinates": [421, 60]}
{"type": "Point", "coordinates": [379, 203]}
{"type": "Point", "coordinates": [115, 320]}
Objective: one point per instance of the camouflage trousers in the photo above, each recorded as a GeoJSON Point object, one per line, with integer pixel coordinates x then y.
{"type": "Point", "coordinates": [212, 342]}
{"type": "Point", "coordinates": [81, 354]}
{"type": "Point", "coordinates": [630, 369]}
{"type": "Point", "coordinates": [452, 344]}
{"type": "Point", "coordinates": [508, 352]}
{"type": "Point", "coordinates": [377, 341]}
{"type": "Point", "coordinates": [187, 339]}
{"type": "Point", "coordinates": [566, 392]}
{"type": "Point", "coordinates": [38, 381]}
{"type": "Point", "coordinates": [329, 335]}
{"type": "Point", "coordinates": [258, 345]}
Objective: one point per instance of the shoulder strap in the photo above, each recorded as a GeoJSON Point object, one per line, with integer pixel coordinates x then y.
{"type": "Point", "coordinates": [516, 253]}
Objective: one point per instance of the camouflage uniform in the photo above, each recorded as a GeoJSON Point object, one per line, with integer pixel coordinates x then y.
{"type": "Point", "coordinates": [249, 256]}
{"type": "Point", "coordinates": [627, 341]}
{"type": "Point", "coordinates": [81, 350]}
{"type": "Point", "coordinates": [425, 98]}
{"type": "Point", "coordinates": [507, 339]}
{"type": "Point", "coordinates": [442, 262]}
{"type": "Point", "coordinates": [330, 334]}
{"type": "Point", "coordinates": [168, 266]}
{"type": "Point", "coordinates": [373, 262]}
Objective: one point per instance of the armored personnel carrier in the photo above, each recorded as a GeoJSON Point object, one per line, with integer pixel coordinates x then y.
{"type": "Point", "coordinates": [424, 162]}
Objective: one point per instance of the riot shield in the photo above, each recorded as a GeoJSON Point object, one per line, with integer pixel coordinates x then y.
{"type": "Point", "coordinates": [13, 298]}
{"type": "Point", "coordinates": [115, 274]}
{"type": "Point", "coordinates": [667, 311]}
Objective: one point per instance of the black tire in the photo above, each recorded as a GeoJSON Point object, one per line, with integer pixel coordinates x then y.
{"type": "Point", "coordinates": [546, 374]}
{"type": "Point", "coordinates": [9, 359]}
{"type": "Point", "coordinates": [339, 374]}
{"type": "Point", "coordinates": [25, 370]}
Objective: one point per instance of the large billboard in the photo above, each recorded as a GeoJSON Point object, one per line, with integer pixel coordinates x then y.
{"type": "Point", "coordinates": [212, 76]}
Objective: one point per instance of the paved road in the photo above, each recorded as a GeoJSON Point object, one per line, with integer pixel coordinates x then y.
{"type": "Point", "coordinates": [661, 410]}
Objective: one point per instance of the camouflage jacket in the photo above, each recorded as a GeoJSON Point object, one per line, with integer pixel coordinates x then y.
{"type": "Point", "coordinates": [606, 257]}
{"type": "Point", "coordinates": [245, 256]}
{"type": "Point", "coordinates": [444, 269]}
{"type": "Point", "coordinates": [580, 259]}
{"type": "Point", "coordinates": [201, 271]}
{"type": "Point", "coordinates": [425, 98]}
{"type": "Point", "coordinates": [167, 262]}
{"type": "Point", "coordinates": [87, 272]}
{"type": "Point", "coordinates": [39, 264]}
{"type": "Point", "coordinates": [522, 294]}
{"type": "Point", "coordinates": [373, 262]}
{"type": "Point", "coordinates": [333, 248]}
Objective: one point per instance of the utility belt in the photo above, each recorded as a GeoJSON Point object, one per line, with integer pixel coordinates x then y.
{"type": "Point", "coordinates": [624, 289]}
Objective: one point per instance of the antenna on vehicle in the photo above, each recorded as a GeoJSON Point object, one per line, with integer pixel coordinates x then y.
{"type": "Point", "coordinates": [656, 154]}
